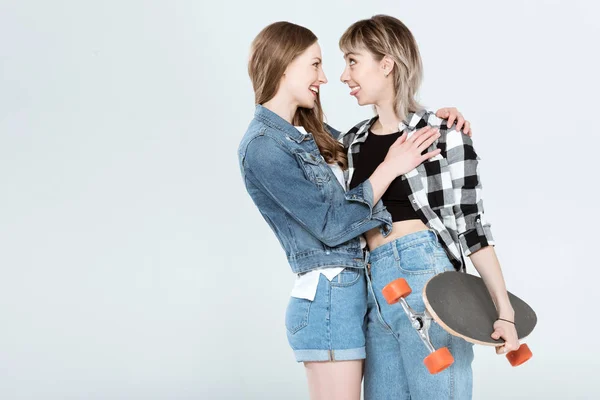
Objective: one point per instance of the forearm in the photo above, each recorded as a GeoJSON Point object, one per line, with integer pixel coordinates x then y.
{"type": "Point", "coordinates": [487, 264]}
{"type": "Point", "coordinates": [380, 180]}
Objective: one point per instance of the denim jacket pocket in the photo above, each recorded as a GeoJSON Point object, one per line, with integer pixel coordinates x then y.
{"type": "Point", "coordinates": [314, 167]}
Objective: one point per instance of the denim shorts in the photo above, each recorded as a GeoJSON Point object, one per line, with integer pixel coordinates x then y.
{"type": "Point", "coordinates": [394, 366]}
{"type": "Point", "coordinates": [332, 327]}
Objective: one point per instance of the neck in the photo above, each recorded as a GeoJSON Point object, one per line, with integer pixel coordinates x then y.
{"type": "Point", "coordinates": [388, 120]}
{"type": "Point", "coordinates": [282, 107]}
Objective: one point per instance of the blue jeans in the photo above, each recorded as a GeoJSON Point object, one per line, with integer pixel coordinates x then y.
{"type": "Point", "coordinates": [394, 366]}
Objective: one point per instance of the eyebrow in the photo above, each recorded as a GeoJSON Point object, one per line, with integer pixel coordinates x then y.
{"type": "Point", "coordinates": [317, 58]}
{"type": "Point", "coordinates": [350, 54]}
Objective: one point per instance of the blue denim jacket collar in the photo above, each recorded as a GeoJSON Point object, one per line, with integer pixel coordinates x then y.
{"type": "Point", "coordinates": [273, 120]}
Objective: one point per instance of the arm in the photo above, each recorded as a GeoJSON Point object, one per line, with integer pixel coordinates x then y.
{"type": "Point", "coordinates": [277, 173]}
{"type": "Point", "coordinates": [475, 236]}
{"type": "Point", "coordinates": [487, 264]}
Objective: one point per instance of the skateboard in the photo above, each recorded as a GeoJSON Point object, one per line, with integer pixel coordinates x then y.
{"type": "Point", "coordinates": [461, 304]}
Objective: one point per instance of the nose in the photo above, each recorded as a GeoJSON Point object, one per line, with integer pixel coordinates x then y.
{"type": "Point", "coordinates": [322, 77]}
{"type": "Point", "coordinates": [345, 75]}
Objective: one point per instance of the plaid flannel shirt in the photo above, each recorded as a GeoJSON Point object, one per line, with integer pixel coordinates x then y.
{"type": "Point", "coordinates": [445, 190]}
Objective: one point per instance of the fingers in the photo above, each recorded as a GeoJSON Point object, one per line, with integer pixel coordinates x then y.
{"type": "Point", "coordinates": [498, 333]}
{"type": "Point", "coordinates": [422, 135]}
{"type": "Point", "coordinates": [453, 115]}
{"type": "Point", "coordinates": [511, 343]}
{"type": "Point", "coordinates": [442, 113]}
{"type": "Point", "coordinates": [460, 121]}
{"type": "Point", "coordinates": [426, 143]}
{"type": "Point", "coordinates": [419, 133]}
{"type": "Point", "coordinates": [400, 140]}
{"type": "Point", "coordinates": [452, 118]}
{"type": "Point", "coordinates": [508, 347]}
{"type": "Point", "coordinates": [467, 129]}
{"type": "Point", "coordinates": [427, 156]}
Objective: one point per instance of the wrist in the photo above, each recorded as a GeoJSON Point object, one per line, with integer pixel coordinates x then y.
{"type": "Point", "coordinates": [510, 321]}
{"type": "Point", "coordinates": [387, 169]}
{"type": "Point", "coordinates": [508, 314]}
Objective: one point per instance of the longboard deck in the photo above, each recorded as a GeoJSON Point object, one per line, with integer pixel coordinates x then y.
{"type": "Point", "coordinates": [461, 304]}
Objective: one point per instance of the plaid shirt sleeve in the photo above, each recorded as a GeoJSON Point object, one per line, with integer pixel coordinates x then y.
{"type": "Point", "coordinates": [474, 231]}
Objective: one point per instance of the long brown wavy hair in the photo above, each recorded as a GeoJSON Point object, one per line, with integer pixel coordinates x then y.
{"type": "Point", "coordinates": [273, 49]}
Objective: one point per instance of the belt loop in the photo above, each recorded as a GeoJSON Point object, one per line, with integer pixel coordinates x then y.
{"type": "Point", "coordinates": [437, 236]}
{"type": "Point", "coordinates": [367, 264]}
{"type": "Point", "coordinates": [395, 250]}
{"type": "Point", "coordinates": [434, 232]}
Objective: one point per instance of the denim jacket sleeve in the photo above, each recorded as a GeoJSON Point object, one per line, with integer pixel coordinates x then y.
{"type": "Point", "coordinates": [276, 172]}
{"type": "Point", "coordinates": [474, 232]}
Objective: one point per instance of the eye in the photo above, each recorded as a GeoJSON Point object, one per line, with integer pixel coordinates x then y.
{"type": "Point", "coordinates": [351, 61]}
{"type": "Point", "coordinates": [316, 65]}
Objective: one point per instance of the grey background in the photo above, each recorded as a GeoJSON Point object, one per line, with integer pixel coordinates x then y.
{"type": "Point", "coordinates": [133, 265]}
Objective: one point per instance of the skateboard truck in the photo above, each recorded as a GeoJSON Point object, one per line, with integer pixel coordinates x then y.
{"type": "Point", "coordinates": [440, 359]}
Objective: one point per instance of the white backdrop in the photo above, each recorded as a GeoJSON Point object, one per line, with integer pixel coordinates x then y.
{"type": "Point", "coordinates": [133, 264]}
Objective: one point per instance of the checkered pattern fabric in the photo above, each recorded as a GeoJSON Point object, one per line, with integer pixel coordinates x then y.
{"type": "Point", "coordinates": [445, 190]}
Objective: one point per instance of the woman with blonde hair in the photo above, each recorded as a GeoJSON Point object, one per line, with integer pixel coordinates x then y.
{"type": "Point", "coordinates": [292, 167]}
{"type": "Point", "coordinates": [437, 214]}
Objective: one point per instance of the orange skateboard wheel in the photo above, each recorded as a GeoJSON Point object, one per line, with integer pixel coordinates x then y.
{"type": "Point", "coordinates": [519, 356]}
{"type": "Point", "coordinates": [394, 290]}
{"type": "Point", "coordinates": [439, 360]}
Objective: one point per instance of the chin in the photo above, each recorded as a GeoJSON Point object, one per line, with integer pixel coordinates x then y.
{"type": "Point", "coordinates": [310, 105]}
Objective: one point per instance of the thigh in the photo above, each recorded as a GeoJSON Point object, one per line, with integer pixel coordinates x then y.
{"type": "Point", "coordinates": [417, 267]}
{"type": "Point", "coordinates": [385, 377]}
{"type": "Point", "coordinates": [348, 303]}
{"type": "Point", "coordinates": [455, 382]}
{"type": "Point", "coordinates": [339, 380]}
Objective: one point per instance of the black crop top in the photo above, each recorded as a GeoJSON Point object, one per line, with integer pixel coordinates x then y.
{"type": "Point", "coordinates": [372, 153]}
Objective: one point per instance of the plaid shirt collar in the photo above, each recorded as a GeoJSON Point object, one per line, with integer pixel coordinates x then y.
{"type": "Point", "coordinates": [413, 121]}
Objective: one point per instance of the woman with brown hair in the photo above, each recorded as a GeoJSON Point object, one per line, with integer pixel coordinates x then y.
{"type": "Point", "coordinates": [292, 167]}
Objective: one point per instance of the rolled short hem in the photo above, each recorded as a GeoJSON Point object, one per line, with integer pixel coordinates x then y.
{"type": "Point", "coordinates": [358, 353]}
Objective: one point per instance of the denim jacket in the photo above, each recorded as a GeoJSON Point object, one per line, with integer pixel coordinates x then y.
{"type": "Point", "coordinates": [317, 223]}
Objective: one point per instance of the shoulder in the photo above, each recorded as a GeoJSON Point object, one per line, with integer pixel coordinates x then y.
{"type": "Point", "coordinates": [263, 146]}
{"type": "Point", "coordinates": [448, 134]}
{"type": "Point", "coordinates": [349, 135]}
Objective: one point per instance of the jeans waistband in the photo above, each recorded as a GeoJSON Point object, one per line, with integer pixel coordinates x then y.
{"type": "Point", "coordinates": [401, 244]}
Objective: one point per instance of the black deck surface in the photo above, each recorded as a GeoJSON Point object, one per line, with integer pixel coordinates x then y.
{"type": "Point", "coordinates": [463, 303]}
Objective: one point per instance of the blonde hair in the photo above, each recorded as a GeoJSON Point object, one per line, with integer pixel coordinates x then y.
{"type": "Point", "coordinates": [383, 35]}
{"type": "Point", "coordinates": [273, 49]}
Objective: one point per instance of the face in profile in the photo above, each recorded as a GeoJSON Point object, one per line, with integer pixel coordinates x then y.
{"type": "Point", "coordinates": [304, 76]}
{"type": "Point", "coordinates": [365, 77]}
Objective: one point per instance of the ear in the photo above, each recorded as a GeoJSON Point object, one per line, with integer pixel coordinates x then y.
{"type": "Point", "coordinates": [387, 65]}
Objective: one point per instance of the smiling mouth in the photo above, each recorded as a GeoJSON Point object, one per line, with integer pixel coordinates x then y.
{"type": "Point", "coordinates": [314, 90]}
{"type": "Point", "coordinates": [354, 90]}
